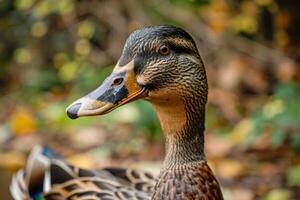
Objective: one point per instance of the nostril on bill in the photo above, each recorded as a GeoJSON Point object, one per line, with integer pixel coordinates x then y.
{"type": "Point", "coordinates": [117, 81]}
{"type": "Point", "coordinates": [72, 112]}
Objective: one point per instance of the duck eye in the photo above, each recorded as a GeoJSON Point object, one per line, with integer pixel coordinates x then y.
{"type": "Point", "coordinates": [117, 81]}
{"type": "Point", "coordinates": [164, 50]}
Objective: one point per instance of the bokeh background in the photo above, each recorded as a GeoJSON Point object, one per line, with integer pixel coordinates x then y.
{"type": "Point", "coordinates": [54, 51]}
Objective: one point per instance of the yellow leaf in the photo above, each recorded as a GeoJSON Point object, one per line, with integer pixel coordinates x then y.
{"type": "Point", "coordinates": [273, 108]}
{"type": "Point", "coordinates": [23, 122]}
{"type": "Point", "coordinates": [241, 131]}
{"type": "Point", "coordinates": [86, 29]}
{"type": "Point", "coordinates": [68, 71]}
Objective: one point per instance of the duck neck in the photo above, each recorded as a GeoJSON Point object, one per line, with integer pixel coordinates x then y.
{"type": "Point", "coordinates": [183, 128]}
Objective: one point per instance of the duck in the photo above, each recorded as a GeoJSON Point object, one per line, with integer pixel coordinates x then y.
{"type": "Point", "coordinates": [159, 64]}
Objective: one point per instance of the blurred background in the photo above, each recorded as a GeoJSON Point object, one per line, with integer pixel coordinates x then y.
{"type": "Point", "coordinates": [54, 51]}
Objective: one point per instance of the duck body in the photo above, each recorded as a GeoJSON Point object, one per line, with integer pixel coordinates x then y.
{"type": "Point", "coordinates": [190, 181]}
{"type": "Point", "coordinates": [47, 176]}
{"type": "Point", "coordinates": [162, 65]}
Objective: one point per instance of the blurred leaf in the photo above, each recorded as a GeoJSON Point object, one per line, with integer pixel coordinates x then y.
{"type": "Point", "coordinates": [59, 59]}
{"type": "Point", "coordinates": [241, 131]}
{"type": "Point", "coordinates": [65, 6]}
{"type": "Point", "coordinates": [86, 29]}
{"type": "Point", "coordinates": [295, 141]}
{"type": "Point", "coordinates": [23, 55]}
{"type": "Point", "coordinates": [83, 47]}
{"type": "Point", "coordinates": [278, 194]}
{"type": "Point", "coordinates": [293, 175]}
{"type": "Point", "coordinates": [277, 138]}
{"type": "Point", "coordinates": [23, 4]}
{"type": "Point", "coordinates": [244, 24]}
{"type": "Point", "coordinates": [43, 8]}
{"type": "Point", "coordinates": [273, 108]}
{"type": "Point", "coordinates": [23, 122]}
{"type": "Point", "coordinates": [39, 29]}
{"type": "Point", "coordinates": [68, 71]}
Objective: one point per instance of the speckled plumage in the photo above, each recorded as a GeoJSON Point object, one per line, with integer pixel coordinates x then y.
{"type": "Point", "coordinates": [189, 181]}
{"type": "Point", "coordinates": [175, 83]}
{"type": "Point", "coordinates": [109, 183]}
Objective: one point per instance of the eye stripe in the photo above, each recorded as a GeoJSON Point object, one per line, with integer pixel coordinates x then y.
{"type": "Point", "coordinates": [178, 48]}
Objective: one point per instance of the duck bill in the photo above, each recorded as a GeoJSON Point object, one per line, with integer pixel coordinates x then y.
{"type": "Point", "coordinates": [109, 95]}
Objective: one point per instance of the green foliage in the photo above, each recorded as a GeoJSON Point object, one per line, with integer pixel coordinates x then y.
{"type": "Point", "coordinates": [279, 117]}
{"type": "Point", "coordinates": [293, 176]}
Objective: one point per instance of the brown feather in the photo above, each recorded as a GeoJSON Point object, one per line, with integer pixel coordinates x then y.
{"type": "Point", "coordinates": [190, 181]}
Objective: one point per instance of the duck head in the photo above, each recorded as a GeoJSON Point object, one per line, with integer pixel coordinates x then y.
{"type": "Point", "coordinates": [160, 64]}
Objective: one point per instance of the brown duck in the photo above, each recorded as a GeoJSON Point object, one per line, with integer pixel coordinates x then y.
{"type": "Point", "coordinates": [162, 65]}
